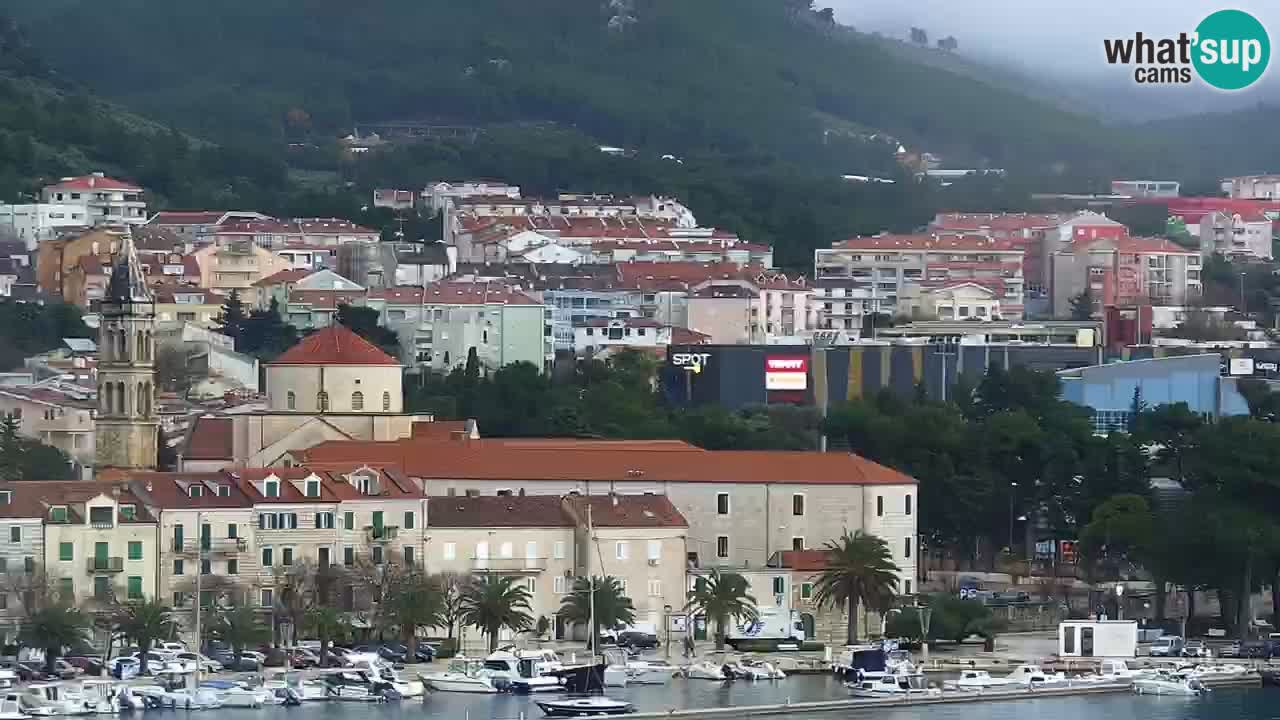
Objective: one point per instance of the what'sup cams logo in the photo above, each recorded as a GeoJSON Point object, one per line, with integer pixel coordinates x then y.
{"type": "Point", "coordinates": [1229, 50]}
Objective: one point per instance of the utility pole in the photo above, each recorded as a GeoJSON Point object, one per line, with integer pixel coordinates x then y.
{"type": "Point", "coordinates": [200, 553]}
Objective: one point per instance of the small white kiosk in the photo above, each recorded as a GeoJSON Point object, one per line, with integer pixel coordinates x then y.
{"type": "Point", "coordinates": [1098, 638]}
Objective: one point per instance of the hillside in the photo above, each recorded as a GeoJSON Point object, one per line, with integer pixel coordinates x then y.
{"type": "Point", "coordinates": [724, 76]}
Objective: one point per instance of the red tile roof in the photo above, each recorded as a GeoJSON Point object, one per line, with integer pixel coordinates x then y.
{"type": "Point", "coordinates": [627, 510]}
{"type": "Point", "coordinates": [454, 293]}
{"type": "Point", "coordinates": [685, 336]}
{"type": "Point", "coordinates": [939, 241]}
{"type": "Point", "coordinates": [334, 345]}
{"type": "Point", "coordinates": [284, 276]}
{"type": "Point", "coordinates": [324, 299]}
{"type": "Point", "coordinates": [173, 490]}
{"type": "Point", "coordinates": [93, 182]}
{"type": "Point", "coordinates": [297, 226]}
{"type": "Point", "coordinates": [186, 217]}
{"type": "Point", "coordinates": [804, 559]}
{"type": "Point", "coordinates": [1138, 245]}
{"type": "Point", "coordinates": [553, 511]}
{"type": "Point", "coordinates": [996, 221]}
{"type": "Point", "coordinates": [211, 439]}
{"type": "Point", "coordinates": [36, 496]}
{"type": "Point", "coordinates": [587, 460]}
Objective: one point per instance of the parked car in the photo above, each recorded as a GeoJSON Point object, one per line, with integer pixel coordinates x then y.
{"type": "Point", "coordinates": [205, 663]}
{"type": "Point", "coordinates": [1232, 650]}
{"type": "Point", "coordinates": [424, 653]}
{"type": "Point", "coordinates": [636, 639]}
{"type": "Point", "coordinates": [1009, 597]}
{"type": "Point", "coordinates": [229, 662]}
{"type": "Point", "coordinates": [125, 666]}
{"type": "Point", "coordinates": [1255, 649]}
{"type": "Point", "coordinates": [1166, 646]}
{"type": "Point", "coordinates": [91, 666]}
{"type": "Point", "coordinates": [386, 652]}
{"type": "Point", "coordinates": [26, 672]}
{"type": "Point", "coordinates": [302, 658]}
{"type": "Point", "coordinates": [1195, 649]}
{"type": "Point", "coordinates": [173, 647]}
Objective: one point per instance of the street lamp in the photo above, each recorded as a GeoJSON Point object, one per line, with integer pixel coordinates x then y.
{"type": "Point", "coordinates": [666, 618]}
{"type": "Point", "coordinates": [1119, 601]}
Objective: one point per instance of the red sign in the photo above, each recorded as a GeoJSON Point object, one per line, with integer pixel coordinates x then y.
{"type": "Point", "coordinates": [786, 372]}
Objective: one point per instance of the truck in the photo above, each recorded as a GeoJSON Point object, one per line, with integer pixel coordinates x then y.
{"type": "Point", "coordinates": [773, 629]}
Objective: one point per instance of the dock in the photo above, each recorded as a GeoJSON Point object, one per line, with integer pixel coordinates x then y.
{"type": "Point", "coordinates": [947, 698]}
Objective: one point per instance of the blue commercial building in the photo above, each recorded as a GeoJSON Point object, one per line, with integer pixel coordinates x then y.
{"type": "Point", "coordinates": [1108, 390]}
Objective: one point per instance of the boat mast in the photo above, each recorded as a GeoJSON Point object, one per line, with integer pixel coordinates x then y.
{"type": "Point", "coordinates": [199, 573]}
{"type": "Point", "coordinates": [591, 595]}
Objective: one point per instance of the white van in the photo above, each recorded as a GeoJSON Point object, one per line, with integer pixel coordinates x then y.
{"type": "Point", "coordinates": [1167, 646]}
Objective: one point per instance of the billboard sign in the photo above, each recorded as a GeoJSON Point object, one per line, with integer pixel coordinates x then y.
{"type": "Point", "coordinates": [786, 372]}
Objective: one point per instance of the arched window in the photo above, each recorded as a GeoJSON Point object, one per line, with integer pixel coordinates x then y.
{"type": "Point", "coordinates": [386, 402]}
{"type": "Point", "coordinates": [146, 346]}
{"type": "Point", "coordinates": [291, 400]}
{"type": "Point", "coordinates": [322, 401]}
{"type": "Point", "coordinates": [141, 408]}
{"type": "Point", "coordinates": [120, 395]}
{"type": "Point", "coordinates": [104, 402]}
{"type": "Point", "coordinates": [357, 400]}
{"type": "Point", "coordinates": [121, 355]}
{"type": "Point", "coordinates": [138, 353]}
{"type": "Point", "coordinates": [150, 397]}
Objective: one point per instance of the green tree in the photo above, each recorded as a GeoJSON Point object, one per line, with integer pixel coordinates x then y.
{"type": "Point", "coordinates": [859, 571]}
{"type": "Point", "coordinates": [326, 624]}
{"type": "Point", "coordinates": [53, 628]}
{"type": "Point", "coordinates": [231, 320]}
{"type": "Point", "coordinates": [415, 602]}
{"type": "Point", "coordinates": [363, 321]}
{"type": "Point", "coordinates": [144, 622]}
{"type": "Point", "coordinates": [265, 334]}
{"type": "Point", "coordinates": [240, 628]}
{"type": "Point", "coordinates": [10, 448]}
{"type": "Point", "coordinates": [494, 602]}
{"type": "Point", "coordinates": [452, 601]}
{"type": "Point", "coordinates": [613, 608]}
{"type": "Point", "coordinates": [719, 597]}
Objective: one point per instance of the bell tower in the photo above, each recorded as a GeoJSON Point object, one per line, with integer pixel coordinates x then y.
{"type": "Point", "coordinates": [127, 425]}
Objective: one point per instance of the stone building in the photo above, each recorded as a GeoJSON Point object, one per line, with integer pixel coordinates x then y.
{"type": "Point", "coordinates": [127, 426]}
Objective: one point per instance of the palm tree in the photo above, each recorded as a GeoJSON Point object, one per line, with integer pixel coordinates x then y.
{"type": "Point", "coordinates": [327, 624]}
{"type": "Point", "coordinates": [492, 603]}
{"type": "Point", "coordinates": [144, 621]}
{"type": "Point", "coordinates": [860, 570]}
{"type": "Point", "coordinates": [414, 602]}
{"type": "Point", "coordinates": [239, 627]}
{"type": "Point", "coordinates": [52, 629]}
{"type": "Point", "coordinates": [719, 596]}
{"type": "Point", "coordinates": [612, 607]}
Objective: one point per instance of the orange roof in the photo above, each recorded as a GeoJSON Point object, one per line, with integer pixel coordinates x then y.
{"type": "Point", "coordinates": [1138, 245]}
{"type": "Point", "coordinates": [996, 221]}
{"type": "Point", "coordinates": [588, 460]}
{"type": "Point", "coordinates": [210, 439]}
{"type": "Point", "coordinates": [552, 511]}
{"type": "Point", "coordinates": [93, 182]}
{"type": "Point", "coordinates": [187, 217]}
{"type": "Point", "coordinates": [940, 241]}
{"type": "Point", "coordinates": [454, 293]}
{"type": "Point", "coordinates": [334, 345]}
{"type": "Point", "coordinates": [284, 276]}
{"type": "Point", "coordinates": [804, 559]}
{"type": "Point", "coordinates": [324, 299]}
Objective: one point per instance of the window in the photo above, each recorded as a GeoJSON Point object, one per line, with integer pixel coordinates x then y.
{"type": "Point", "coordinates": [66, 589]}
{"type": "Point", "coordinates": [206, 567]}
{"type": "Point", "coordinates": [224, 491]}
{"type": "Point", "coordinates": [557, 585]}
{"type": "Point", "coordinates": [722, 546]}
{"type": "Point", "coordinates": [233, 530]}
{"type": "Point", "coordinates": [408, 555]}
{"type": "Point", "coordinates": [622, 584]}
{"type": "Point", "coordinates": [531, 584]}
{"type": "Point", "coordinates": [66, 551]}
{"type": "Point", "coordinates": [286, 556]}
{"type": "Point", "coordinates": [377, 519]}
{"type": "Point", "coordinates": [655, 549]}
{"type": "Point", "coordinates": [349, 520]}
{"type": "Point", "coordinates": [722, 503]}
{"type": "Point", "coordinates": [797, 505]}
{"type": "Point", "coordinates": [655, 588]}
{"type": "Point", "coordinates": [135, 550]}
{"type": "Point", "coordinates": [377, 554]}
{"type": "Point", "coordinates": [291, 400]}
{"type": "Point", "coordinates": [621, 550]}
{"type": "Point", "coordinates": [908, 504]}
{"type": "Point", "coordinates": [135, 587]}
{"type": "Point", "coordinates": [29, 564]}
{"type": "Point", "coordinates": [1069, 640]}
{"type": "Point", "coordinates": [101, 587]}
{"type": "Point", "coordinates": [408, 520]}
{"type": "Point", "coordinates": [58, 513]}
{"type": "Point", "coordinates": [348, 556]}
{"type": "Point", "coordinates": [179, 599]}
{"type": "Point", "coordinates": [266, 597]}
{"type": "Point", "coordinates": [879, 506]}
{"type": "Point", "coordinates": [178, 566]}
{"type": "Point", "coordinates": [357, 400]}
{"type": "Point", "coordinates": [797, 543]}
{"type": "Point", "coordinates": [324, 521]}
{"type": "Point", "coordinates": [177, 537]}
{"type": "Point", "coordinates": [450, 550]}
{"type": "Point", "coordinates": [268, 557]}
{"type": "Point", "coordinates": [322, 401]}
{"type": "Point", "coordinates": [195, 491]}
{"type": "Point", "coordinates": [386, 402]}
{"type": "Point", "coordinates": [557, 550]}
{"type": "Point", "coordinates": [15, 534]}
{"type": "Point", "coordinates": [313, 488]}
{"type": "Point", "coordinates": [906, 547]}
{"type": "Point", "coordinates": [779, 585]}
{"type": "Point", "coordinates": [906, 587]}
{"type": "Point", "coordinates": [233, 567]}
{"type": "Point", "coordinates": [6, 496]}
{"type": "Point", "coordinates": [806, 591]}
{"type": "Point", "coordinates": [271, 488]}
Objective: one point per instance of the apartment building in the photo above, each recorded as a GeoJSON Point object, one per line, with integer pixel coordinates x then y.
{"type": "Point", "coordinates": [303, 232]}
{"type": "Point", "coordinates": [57, 414]}
{"type": "Point", "coordinates": [1125, 271]}
{"type": "Point", "coordinates": [102, 200]}
{"type": "Point", "coordinates": [441, 196]}
{"type": "Point", "coordinates": [236, 267]}
{"type": "Point", "coordinates": [1238, 235]}
{"type": "Point", "coordinates": [188, 305]}
{"type": "Point", "coordinates": [198, 227]}
{"type": "Point", "coordinates": [1253, 187]}
{"type": "Point", "coordinates": [22, 553]}
{"type": "Point", "coordinates": [867, 275]}
{"type": "Point", "coordinates": [32, 223]}
{"type": "Point", "coordinates": [548, 541]}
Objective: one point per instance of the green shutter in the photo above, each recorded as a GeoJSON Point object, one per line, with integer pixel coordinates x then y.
{"type": "Point", "coordinates": [377, 519]}
{"type": "Point", "coordinates": [135, 550]}
{"type": "Point", "coordinates": [408, 520]}
{"type": "Point", "coordinates": [66, 551]}
{"type": "Point", "coordinates": [67, 589]}
{"type": "Point", "coordinates": [177, 538]}
{"type": "Point", "coordinates": [349, 520]}
{"type": "Point", "coordinates": [58, 514]}
{"type": "Point", "coordinates": [135, 587]}
{"type": "Point", "coordinates": [101, 587]}
{"type": "Point", "coordinates": [233, 530]}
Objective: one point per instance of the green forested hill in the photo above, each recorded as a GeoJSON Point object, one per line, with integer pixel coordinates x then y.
{"type": "Point", "coordinates": [728, 76]}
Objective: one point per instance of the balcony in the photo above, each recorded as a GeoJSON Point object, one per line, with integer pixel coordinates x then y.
{"type": "Point", "coordinates": [508, 565]}
{"type": "Point", "coordinates": [382, 534]}
{"type": "Point", "coordinates": [105, 564]}
{"type": "Point", "coordinates": [218, 546]}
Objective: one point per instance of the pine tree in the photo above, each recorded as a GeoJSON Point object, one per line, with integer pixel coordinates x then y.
{"type": "Point", "coordinates": [10, 449]}
{"type": "Point", "coordinates": [232, 319]}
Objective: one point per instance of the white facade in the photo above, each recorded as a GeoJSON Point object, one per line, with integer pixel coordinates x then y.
{"type": "Point", "coordinates": [360, 389]}
{"type": "Point", "coordinates": [620, 332]}
{"type": "Point", "coordinates": [1235, 235]}
{"type": "Point", "coordinates": [1253, 187]}
{"type": "Point", "coordinates": [65, 423]}
{"type": "Point", "coordinates": [962, 301]}
{"type": "Point", "coordinates": [34, 222]}
{"type": "Point", "coordinates": [440, 196]}
{"type": "Point", "coordinates": [102, 200]}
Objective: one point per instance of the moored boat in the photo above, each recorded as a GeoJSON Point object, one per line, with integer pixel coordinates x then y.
{"type": "Point", "coordinates": [585, 706]}
{"type": "Point", "coordinates": [977, 680]}
{"type": "Point", "coordinates": [1169, 683]}
{"type": "Point", "coordinates": [464, 675]}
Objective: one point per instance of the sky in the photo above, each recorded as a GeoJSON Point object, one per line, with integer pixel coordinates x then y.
{"type": "Point", "coordinates": [1063, 36]}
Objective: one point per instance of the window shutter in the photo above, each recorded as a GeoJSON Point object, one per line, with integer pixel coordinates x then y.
{"type": "Point", "coordinates": [262, 522]}
{"type": "Point", "coordinates": [293, 521]}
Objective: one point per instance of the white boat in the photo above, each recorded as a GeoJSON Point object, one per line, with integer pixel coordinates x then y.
{"type": "Point", "coordinates": [1210, 672]}
{"type": "Point", "coordinates": [521, 674]}
{"type": "Point", "coordinates": [354, 686]}
{"type": "Point", "coordinates": [199, 699]}
{"type": "Point", "coordinates": [109, 697]}
{"type": "Point", "coordinates": [758, 670]}
{"type": "Point", "coordinates": [54, 699]}
{"type": "Point", "coordinates": [638, 672]}
{"type": "Point", "coordinates": [235, 694]}
{"type": "Point", "coordinates": [585, 706]}
{"type": "Point", "coordinates": [1031, 676]}
{"type": "Point", "coordinates": [8, 679]}
{"type": "Point", "coordinates": [1113, 671]}
{"type": "Point", "coordinates": [1168, 683]}
{"type": "Point", "coordinates": [378, 669]}
{"type": "Point", "coordinates": [284, 685]}
{"type": "Point", "coordinates": [703, 670]}
{"type": "Point", "coordinates": [11, 707]}
{"type": "Point", "coordinates": [900, 684]}
{"type": "Point", "coordinates": [977, 680]}
{"type": "Point", "coordinates": [464, 675]}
